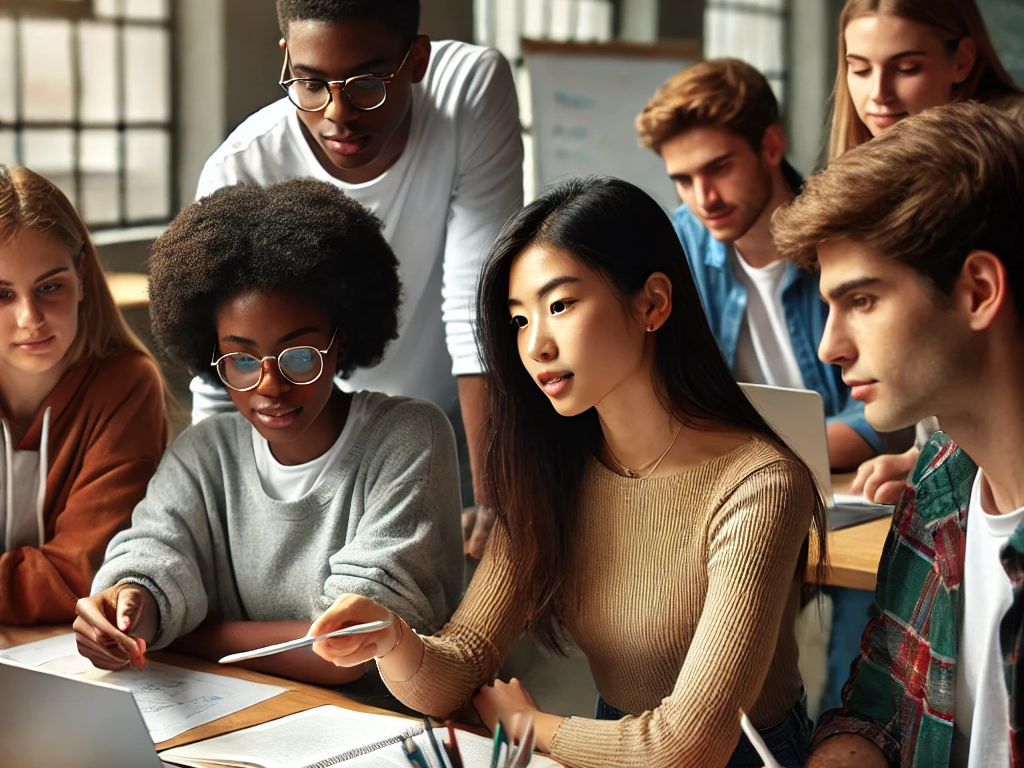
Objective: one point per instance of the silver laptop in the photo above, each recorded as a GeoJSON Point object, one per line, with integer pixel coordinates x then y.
{"type": "Point", "coordinates": [54, 720]}
{"type": "Point", "coordinates": [798, 416]}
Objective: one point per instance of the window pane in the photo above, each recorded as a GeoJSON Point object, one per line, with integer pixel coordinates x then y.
{"type": "Point", "coordinates": [148, 169]}
{"type": "Point", "coordinates": [563, 22]}
{"type": "Point", "coordinates": [51, 153]}
{"type": "Point", "coordinates": [100, 203]}
{"type": "Point", "coordinates": [46, 69]}
{"type": "Point", "coordinates": [146, 9]}
{"type": "Point", "coordinates": [595, 20]}
{"type": "Point", "coordinates": [8, 110]}
{"type": "Point", "coordinates": [98, 63]}
{"type": "Point", "coordinates": [7, 148]}
{"type": "Point", "coordinates": [146, 74]}
{"type": "Point", "coordinates": [107, 8]}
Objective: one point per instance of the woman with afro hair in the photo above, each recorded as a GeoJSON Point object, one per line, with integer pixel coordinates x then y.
{"type": "Point", "coordinates": [258, 519]}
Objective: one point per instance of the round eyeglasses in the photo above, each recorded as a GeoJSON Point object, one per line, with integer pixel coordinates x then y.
{"type": "Point", "coordinates": [311, 94]}
{"type": "Point", "coordinates": [298, 365]}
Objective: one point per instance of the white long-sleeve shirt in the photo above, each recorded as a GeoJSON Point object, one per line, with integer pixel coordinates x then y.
{"type": "Point", "coordinates": [442, 203]}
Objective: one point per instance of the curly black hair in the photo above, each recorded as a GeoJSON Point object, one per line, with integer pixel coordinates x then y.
{"type": "Point", "coordinates": [297, 236]}
{"type": "Point", "coordinates": [401, 16]}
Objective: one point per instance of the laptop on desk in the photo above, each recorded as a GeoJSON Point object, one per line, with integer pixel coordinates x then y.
{"type": "Point", "coordinates": [57, 721]}
{"type": "Point", "coordinates": [798, 416]}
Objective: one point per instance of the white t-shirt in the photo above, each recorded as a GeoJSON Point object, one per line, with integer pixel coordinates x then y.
{"type": "Point", "coordinates": [283, 482]}
{"type": "Point", "coordinates": [764, 352]}
{"type": "Point", "coordinates": [442, 203]}
{"type": "Point", "coordinates": [22, 489]}
{"type": "Point", "coordinates": [981, 737]}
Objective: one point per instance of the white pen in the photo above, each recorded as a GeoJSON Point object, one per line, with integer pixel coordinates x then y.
{"type": "Point", "coordinates": [759, 745]}
{"type": "Point", "coordinates": [269, 650]}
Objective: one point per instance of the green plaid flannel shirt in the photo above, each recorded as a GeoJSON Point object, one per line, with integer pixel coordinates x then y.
{"type": "Point", "coordinates": [900, 692]}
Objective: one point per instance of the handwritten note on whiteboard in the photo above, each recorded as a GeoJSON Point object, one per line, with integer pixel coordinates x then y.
{"type": "Point", "coordinates": [172, 699]}
{"type": "Point", "coordinates": [584, 101]}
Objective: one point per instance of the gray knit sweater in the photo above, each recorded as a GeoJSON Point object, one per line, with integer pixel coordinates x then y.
{"type": "Point", "coordinates": [384, 523]}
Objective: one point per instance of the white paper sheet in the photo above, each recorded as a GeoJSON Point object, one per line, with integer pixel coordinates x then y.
{"type": "Point", "coordinates": [42, 651]}
{"type": "Point", "coordinates": [853, 500]}
{"type": "Point", "coordinates": [172, 699]}
{"type": "Point", "coordinates": [323, 735]}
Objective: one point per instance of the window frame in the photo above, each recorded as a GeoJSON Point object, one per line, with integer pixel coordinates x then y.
{"type": "Point", "coordinates": [76, 13]}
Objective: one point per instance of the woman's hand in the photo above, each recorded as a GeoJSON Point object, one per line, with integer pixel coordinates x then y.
{"type": "Point", "coordinates": [477, 523]}
{"type": "Point", "coordinates": [114, 627]}
{"type": "Point", "coordinates": [356, 649]}
{"type": "Point", "coordinates": [513, 706]}
{"type": "Point", "coordinates": [508, 703]}
{"type": "Point", "coordinates": [883, 478]}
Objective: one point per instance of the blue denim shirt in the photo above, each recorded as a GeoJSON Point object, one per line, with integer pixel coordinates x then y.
{"type": "Point", "coordinates": [725, 303]}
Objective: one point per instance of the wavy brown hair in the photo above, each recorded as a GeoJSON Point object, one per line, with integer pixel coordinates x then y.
{"type": "Point", "coordinates": [952, 20]}
{"type": "Point", "coordinates": [728, 94]}
{"type": "Point", "coordinates": [926, 193]}
{"type": "Point", "coordinates": [535, 458]}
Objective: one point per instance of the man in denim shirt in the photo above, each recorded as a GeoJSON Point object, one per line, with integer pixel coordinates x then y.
{"type": "Point", "coordinates": [716, 126]}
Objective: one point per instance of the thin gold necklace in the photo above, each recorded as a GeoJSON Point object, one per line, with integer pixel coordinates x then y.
{"type": "Point", "coordinates": [639, 474]}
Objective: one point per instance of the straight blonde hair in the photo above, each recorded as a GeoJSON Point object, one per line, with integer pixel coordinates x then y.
{"type": "Point", "coordinates": [952, 21]}
{"type": "Point", "coordinates": [30, 201]}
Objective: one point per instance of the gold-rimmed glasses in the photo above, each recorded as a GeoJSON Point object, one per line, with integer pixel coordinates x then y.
{"type": "Point", "coordinates": [299, 365]}
{"type": "Point", "coordinates": [311, 94]}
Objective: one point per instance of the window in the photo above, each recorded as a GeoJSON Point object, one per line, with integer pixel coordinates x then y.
{"type": "Point", "coordinates": [502, 24]}
{"type": "Point", "coordinates": [85, 100]}
{"type": "Point", "coordinates": [751, 30]}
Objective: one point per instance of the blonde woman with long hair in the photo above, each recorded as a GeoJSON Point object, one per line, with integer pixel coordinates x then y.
{"type": "Point", "coordinates": [83, 417]}
{"type": "Point", "coordinates": [900, 57]}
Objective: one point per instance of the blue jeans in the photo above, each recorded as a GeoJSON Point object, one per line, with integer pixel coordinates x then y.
{"type": "Point", "coordinates": [789, 740]}
{"type": "Point", "coordinates": [849, 617]}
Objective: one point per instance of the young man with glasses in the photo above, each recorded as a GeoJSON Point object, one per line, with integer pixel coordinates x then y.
{"type": "Point", "coordinates": [256, 520]}
{"type": "Point", "coordinates": [427, 136]}
{"type": "Point", "coordinates": [917, 234]}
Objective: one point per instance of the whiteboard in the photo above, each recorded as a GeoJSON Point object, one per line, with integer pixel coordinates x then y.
{"type": "Point", "coordinates": [584, 99]}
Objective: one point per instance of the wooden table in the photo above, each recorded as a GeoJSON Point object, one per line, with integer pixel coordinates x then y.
{"type": "Point", "coordinates": [297, 698]}
{"type": "Point", "coordinates": [129, 289]}
{"type": "Point", "coordinates": [854, 552]}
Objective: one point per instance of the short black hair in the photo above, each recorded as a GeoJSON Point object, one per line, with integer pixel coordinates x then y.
{"type": "Point", "coordinates": [401, 16]}
{"type": "Point", "coordinates": [299, 236]}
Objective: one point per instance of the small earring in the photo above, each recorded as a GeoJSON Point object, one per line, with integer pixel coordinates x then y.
{"type": "Point", "coordinates": [650, 328]}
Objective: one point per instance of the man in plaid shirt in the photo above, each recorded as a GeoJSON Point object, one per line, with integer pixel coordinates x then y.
{"type": "Point", "coordinates": [918, 235]}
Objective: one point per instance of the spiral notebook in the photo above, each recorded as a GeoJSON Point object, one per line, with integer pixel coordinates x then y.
{"type": "Point", "coordinates": [324, 737]}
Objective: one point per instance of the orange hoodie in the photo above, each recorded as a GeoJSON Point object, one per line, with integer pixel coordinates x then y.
{"type": "Point", "coordinates": [107, 433]}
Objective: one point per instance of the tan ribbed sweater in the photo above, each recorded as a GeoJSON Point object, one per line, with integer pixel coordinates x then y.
{"type": "Point", "coordinates": [689, 592]}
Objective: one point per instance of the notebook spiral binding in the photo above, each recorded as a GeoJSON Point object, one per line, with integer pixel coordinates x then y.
{"type": "Point", "coordinates": [367, 749]}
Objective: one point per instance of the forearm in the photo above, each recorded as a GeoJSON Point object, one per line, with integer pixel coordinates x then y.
{"type": "Point", "coordinates": [473, 404]}
{"type": "Point", "coordinates": [33, 591]}
{"type": "Point", "coordinates": [214, 640]}
{"type": "Point", "coordinates": [403, 660]}
{"type": "Point", "coordinates": [847, 750]}
{"type": "Point", "coordinates": [846, 449]}
{"type": "Point", "coordinates": [544, 727]}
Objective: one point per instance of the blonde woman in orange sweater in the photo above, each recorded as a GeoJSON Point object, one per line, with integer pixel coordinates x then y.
{"type": "Point", "coordinates": [82, 404]}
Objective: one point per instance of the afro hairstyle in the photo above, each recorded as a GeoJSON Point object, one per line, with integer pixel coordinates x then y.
{"type": "Point", "coordinates": [400, 16]}
{"type": "Point", "coordinates": [299, 236]}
